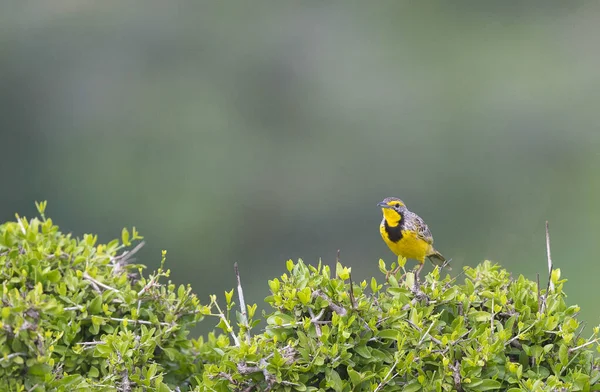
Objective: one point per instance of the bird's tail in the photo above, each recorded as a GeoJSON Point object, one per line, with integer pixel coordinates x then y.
{"type": "Point", "coordinates": [436, 258]}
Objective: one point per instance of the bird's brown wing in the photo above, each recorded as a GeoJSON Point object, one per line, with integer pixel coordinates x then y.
{"type": "Point", "coordinates": [421, 229]}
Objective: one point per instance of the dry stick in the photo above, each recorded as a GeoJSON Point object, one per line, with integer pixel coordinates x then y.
{"type": "Point", "coordinates": [385, 380]}
{"type": "Point", "coordinates": [583, 345]}
{"type": "Point", "coordinates": [456, 376]}
{"type": "Point", "coordinates": [315, 320]}
{"type": "Point", "coordinates": [539, 298]}
{"type": "Point", "coordinates": [11, 356]}
{"type": "Point", "coordinates": [124, 257]}
{"type": "Point", "coordinates": [242, 302]}
{"type": "Point", "coordinates": [336, 308]}
{"type": "Point", "coordinates": [550, 286]}
{"type": "Point", "coordinates": [352, 299]}
{"type": "Point", "coordinates": [86, 276]}
{"type": "Point", "coordinates": [550, 266]}
{"type": "Point", "coordinates": [420, 330]}
{"type": "Point", "coordinates": [125, 383]}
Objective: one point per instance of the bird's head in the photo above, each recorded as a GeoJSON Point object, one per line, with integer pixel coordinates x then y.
{"type": "Point", "coordinates": [392, 208]}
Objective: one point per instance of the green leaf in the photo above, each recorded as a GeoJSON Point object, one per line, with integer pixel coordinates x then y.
{"type": "Point", "coordinates": [388, 334]}
{"type": "Point", "coordinates": [480, 316]}
{"type": "Point", "coordinates": [363, 351]}
{"type": "Point", "coordinates": [382, 266]}
{"type": "Point", "coordinates": [563, 354]}
{"type": "Point", "coordinates": [485, 385]}
{"type": "Point", "coordinates": [125, 237]}
{"type": "Point", "coordinates": [374, 286]}
{"type": "Point", "coordinates": [39, 369]}
{"type": "Point", "coordinates": [93, 372]}
{"type": "Point", "coordinates": [229, 296]}
{"type": "Point", "coordinates": [334, 380]}
{"type": "Point", "coordinates": [412, 387]}
{"type": "Point", "coordinates": [95, 306]}
{"type": "Point", "coordinates": [355, 377]}
{"type": "Point", "coordinates": [53, 276]}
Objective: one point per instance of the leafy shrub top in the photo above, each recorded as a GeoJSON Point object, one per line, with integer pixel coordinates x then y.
{"type": "Point", "coordinates": [75, 314]}
{"type": "Point", "coordinates": [79, 315]}
{"type": "Point", "coordinates": [489, 333]}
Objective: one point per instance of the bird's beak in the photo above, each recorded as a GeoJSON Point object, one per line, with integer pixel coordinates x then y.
{"type": "Point", "coordinates": [383, 205]}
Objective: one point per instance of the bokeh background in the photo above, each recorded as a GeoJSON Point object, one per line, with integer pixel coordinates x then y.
{"type": "Point", "coordinates": [261, 131]}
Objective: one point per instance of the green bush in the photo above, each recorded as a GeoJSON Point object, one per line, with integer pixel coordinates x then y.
{"type": "Point", "coordinates": [79, 315]}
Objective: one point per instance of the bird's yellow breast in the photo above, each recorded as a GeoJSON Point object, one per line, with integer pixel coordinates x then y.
{"type": "Point", "coordinates": [409, 246]}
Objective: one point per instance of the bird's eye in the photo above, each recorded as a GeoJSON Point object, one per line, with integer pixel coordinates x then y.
{"type": "Point", "coordinates": [397, 205]}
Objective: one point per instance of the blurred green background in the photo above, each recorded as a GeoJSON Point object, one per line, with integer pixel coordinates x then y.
{"type": "Point", "coordinates": [261, 131]}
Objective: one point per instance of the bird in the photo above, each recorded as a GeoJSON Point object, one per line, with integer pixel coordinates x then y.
{"type": "Point", "coordinates": [407, 235]}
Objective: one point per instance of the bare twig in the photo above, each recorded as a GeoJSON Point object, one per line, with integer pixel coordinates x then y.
{"type": "Point", "coordinates": [87, 277]}
{"type": "Point", "coordinates": [227, 325]}
{"type": "Point", "coordinates": [242, 302]}
{"type": "Point", "coordinates": [315, 320]}
{"type": "Point", "coordinates": [134, 321]}
{"type": "Point", "coordinates": [539, 298]}
{"type": "Point", "coordinates": [262, 368]}
{"type": "Point", "coordinates": [550, 265]}
{"type": "Point", "coordinates": [435, 340]}
{"type": "Point", "coordinates": [21, 225]}
{"type": "Point", "coordinates": [241, 295]}
{"type": "Point", "coordinates": [456, 376]}
{"type": "Point", "coordinates": [228, 377]}
{"type": "Point", "coordinates": [514, 338]}
{"type": "Point", "coordinates": [336, 308]}
{"type": "Point", "coordinates": [387, 377]}
{"type": "Point", "coordinates": [352, 299]}
{"type": "Point", "coordinates": [492, 318]}
{"type": "Point", "coordinates": [550, 286]}
{"type": "Point", "coordinates": [119, 261]}
{"type": "Point", "coordinates": [10, 356]}
{"type": "Point", "coordinates": [125, 383]}
{"type": "Point", "coordinates": [583, 345]}
{"type": "Point", "coordinates": [93, 343]}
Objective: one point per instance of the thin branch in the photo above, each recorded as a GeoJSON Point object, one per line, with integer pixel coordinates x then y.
{"type": "Point", "coordinates": [227, 325]}
{"type": "Point", "coordinates": [550, 265]}
{"type": "Point", "coordinates": [315, 320]}
{"type": "Point", "coordinates": [241, 295]}
{"type": "Point", "coordinates": [123, 257]}
{"type": "Point", "coordinates": [583, 345]}
{"type": "Point", "coordinates": [352, 299]}
{"type": "Point", "coordinates": [492, 318]}
{"type": "Point", "coordinates": [336, 308]}
{"type": "Point", "coordinates": [426, 333]}
{"type": "Point", "coordinates": [134, 321]}
{"type": "Point", "coordinates": [119, 261]}
{"type": "Point", "coordinates": [420, 330]}
{"type": "Point", "coordinates": [539, 298]}
{"type": "Point", "coordinates": [125, 383]}
{"type": "Point", "coordinates": [550, 286]}
{"type": "Point", "coordinates": [86, 276]}
{"type": "Point", "coordinates": [93, 343]}
{"type": "Point", "coordinates": [387, 378]}
{"type": "Point", "coordinates": [10, 356]}
{"type": "Point", "coordinates": [21, 225]}
{"type": "Point", "coordinates": [456, 376]}
{"type": "Point", "coordinates": [518, 334]}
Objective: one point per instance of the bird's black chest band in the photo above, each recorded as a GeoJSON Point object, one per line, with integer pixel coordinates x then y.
{"type": "Point", "coordinates": [395, 232]}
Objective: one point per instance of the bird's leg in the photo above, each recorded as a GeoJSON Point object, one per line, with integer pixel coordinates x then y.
{"type": "Point", "coordinates": [418, 271]}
